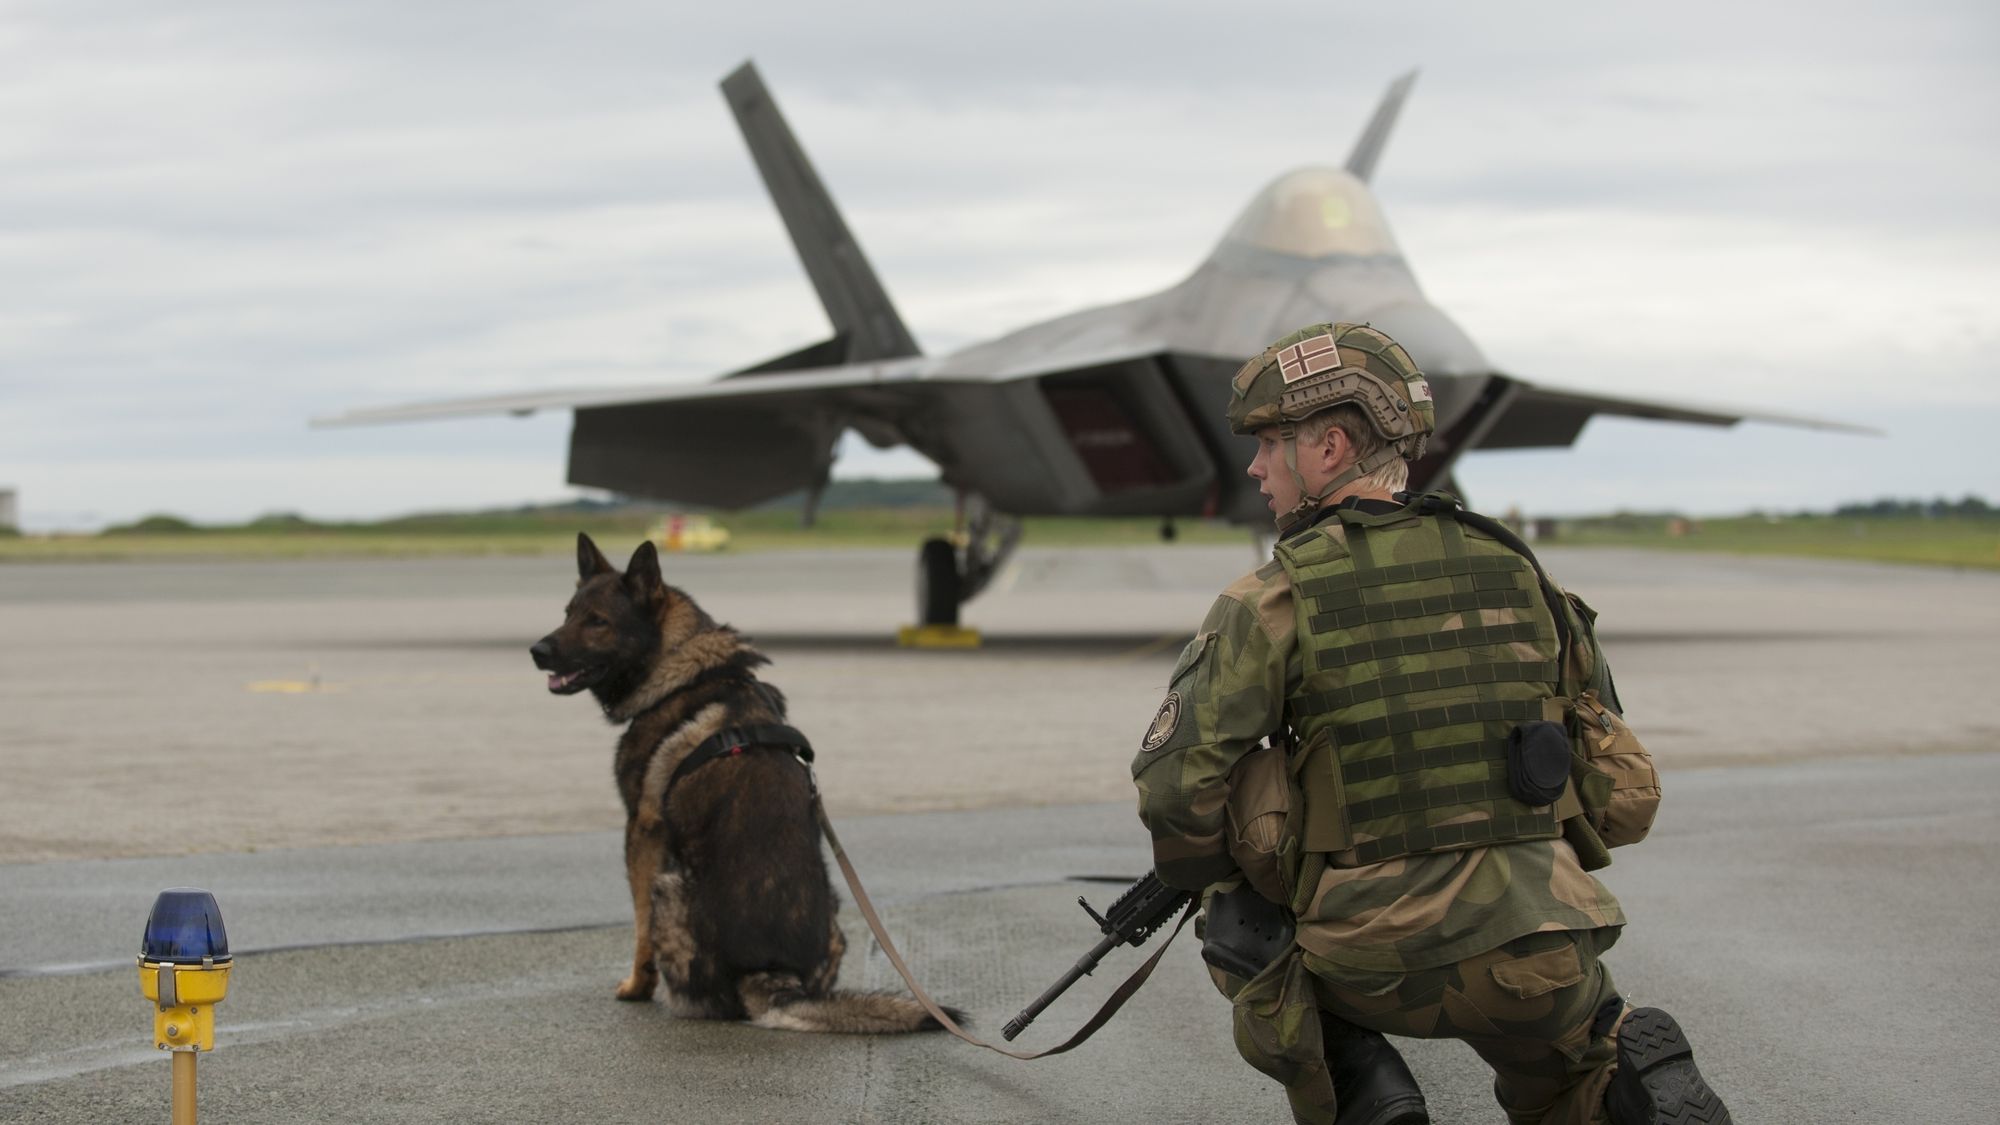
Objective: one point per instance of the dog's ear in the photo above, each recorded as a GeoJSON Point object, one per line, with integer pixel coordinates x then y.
{"type": "Point", "coordinates": [642, 576]}
{"type": "Point", "coordinates": [590, 562]}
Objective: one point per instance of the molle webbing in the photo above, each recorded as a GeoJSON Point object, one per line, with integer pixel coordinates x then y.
{"type": "Point", "coordinates": [1406, 722]}
{"type": "Point", "coordinates": [1424, 643]}
{"type": "Point", "coordinates": [1508, 597]}
{"type": "Point", "coordinates": [1505, 535]}
{"type": "Point", "coordinates": [1491, 787]}
{"type": "Point", "coordinates": [1466, 834]}
{"type": "Point", "coordinates": [1409, 761]}
{"type": "Point", "coordinates": [1414, 625]}
{"type": "Point", "coordinates": [1511, 672]}
{"type": "Point", "coordinates": [1328, 592]}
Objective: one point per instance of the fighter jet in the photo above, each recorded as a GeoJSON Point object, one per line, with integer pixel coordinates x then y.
{"type": "Point", "coordinates": [1111, 411]}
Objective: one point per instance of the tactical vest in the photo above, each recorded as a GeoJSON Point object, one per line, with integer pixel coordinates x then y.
{"type": "Point", "coordinates": [1424, 644]}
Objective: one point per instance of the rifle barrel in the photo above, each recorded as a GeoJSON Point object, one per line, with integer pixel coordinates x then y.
{"type": "Point", "coordinates": [1077, 972]}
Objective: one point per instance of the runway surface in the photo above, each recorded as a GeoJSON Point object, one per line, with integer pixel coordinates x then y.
{"type": "Point", "coordinates": [358, 702]}
{"type": "Point", "coordinates": [416, 851]}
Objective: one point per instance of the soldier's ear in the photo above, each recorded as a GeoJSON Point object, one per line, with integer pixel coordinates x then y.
{"type": "Point", "coordinates": [1333, 446]}
{"type": "Point", "coordinates": [642, 575]}
{"type": "Point", "coordinates": [590, 562]}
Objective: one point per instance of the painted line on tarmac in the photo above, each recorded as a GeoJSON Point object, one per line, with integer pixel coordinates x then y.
{"type": "Point", "coordinates": [87, 1058]}
{"type": "Point", "coordinates": [75, 968]}
{"type": "Point", "coordinates": [79, 968]}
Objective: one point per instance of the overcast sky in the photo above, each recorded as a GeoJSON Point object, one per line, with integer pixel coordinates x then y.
{"type": "Point", "coordinates": [218, 219]}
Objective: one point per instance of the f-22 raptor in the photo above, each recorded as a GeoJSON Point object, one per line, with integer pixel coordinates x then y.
{"type": "Point", "coordinates": [1112, 411]}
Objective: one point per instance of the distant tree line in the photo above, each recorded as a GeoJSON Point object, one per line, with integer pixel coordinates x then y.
{"type": "Point", "coordinates": [934, 493]}
{"type": "Point", "coordinates": [1970, 507]}
{"type": "Point", "coordinates": [841, 495]}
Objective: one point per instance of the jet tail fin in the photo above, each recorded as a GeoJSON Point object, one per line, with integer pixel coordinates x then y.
{"type": "Point", "coordinates": [1368, 149]}
{"type": "Point", "coordinates": [862, 316]}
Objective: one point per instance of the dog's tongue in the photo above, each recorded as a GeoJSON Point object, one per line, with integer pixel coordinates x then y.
{"type": "Point", "coordinates": [557, 680]}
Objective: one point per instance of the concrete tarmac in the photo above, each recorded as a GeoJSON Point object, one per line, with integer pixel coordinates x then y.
{"type": "Point", "coordinates": [1820, 929]}
{"type": "Point", "coordinates": [356, 702]}
{"type": "Point", "coordinates": [419, 865]}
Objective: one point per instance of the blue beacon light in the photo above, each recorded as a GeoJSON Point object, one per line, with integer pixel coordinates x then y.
{"type": "Point", "coordinates": [185, 928]}
{"type": "Point", "coordinates": [184, 968]}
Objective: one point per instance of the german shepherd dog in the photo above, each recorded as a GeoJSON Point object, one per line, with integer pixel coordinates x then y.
{"type": "Point", "coordinates": [731, 902]}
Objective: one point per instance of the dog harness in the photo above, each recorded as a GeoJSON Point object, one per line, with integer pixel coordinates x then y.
{"type": "Point", "coordinates": [736, 740]}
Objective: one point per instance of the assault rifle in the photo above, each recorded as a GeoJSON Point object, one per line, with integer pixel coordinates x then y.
{"type": "Point", "coordinates": [1145, 906]}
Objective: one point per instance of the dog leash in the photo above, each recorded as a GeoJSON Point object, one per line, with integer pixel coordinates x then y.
{"type": "Point", "coordinates": [1123, 992]}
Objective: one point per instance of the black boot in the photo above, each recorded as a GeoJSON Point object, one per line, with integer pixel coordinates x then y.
{"type": "Point", "coordinates": [1371, 1081]}
{"type": "Point", "coordinates": [1656, 1082]}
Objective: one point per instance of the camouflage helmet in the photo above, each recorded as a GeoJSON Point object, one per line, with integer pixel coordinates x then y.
{"type": "Point", "coordinates": [1323, 365]}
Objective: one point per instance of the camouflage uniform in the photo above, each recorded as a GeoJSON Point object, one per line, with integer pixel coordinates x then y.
{"type": "Point", "coordinates": [1428, 902]}
{"type": "Point", "coordinates": [1494, 945]}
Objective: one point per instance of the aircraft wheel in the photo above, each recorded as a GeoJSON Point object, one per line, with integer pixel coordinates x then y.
{"type": "Point", "coordinates": [937, 583]}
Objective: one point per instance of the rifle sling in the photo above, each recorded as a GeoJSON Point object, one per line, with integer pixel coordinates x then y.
{"type": "Point", "coordinates": [1118, 997]}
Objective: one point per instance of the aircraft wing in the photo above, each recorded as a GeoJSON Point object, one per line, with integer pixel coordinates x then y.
{"type": "Point", "coordinates": [1538, 416]}
{"type": "Point", "coordinates": [726, 443]}
{"type": "Point", "coordinates": [824, 384]}
{"type": "Point", "coordinates": [753, 436]}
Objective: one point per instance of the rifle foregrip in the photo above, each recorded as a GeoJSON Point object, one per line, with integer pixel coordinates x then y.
{"type": "Point", "coordinates": [1149, 905]}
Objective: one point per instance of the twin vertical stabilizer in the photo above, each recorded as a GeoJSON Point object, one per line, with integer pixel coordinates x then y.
{"type": "Point", "coordinates": [1361, 162]}
{"type": "Point", "coordinates": [865, 323]}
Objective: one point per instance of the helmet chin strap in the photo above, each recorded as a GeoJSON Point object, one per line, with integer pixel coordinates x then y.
{"type": "Point", "coordinates": [1309, 502]}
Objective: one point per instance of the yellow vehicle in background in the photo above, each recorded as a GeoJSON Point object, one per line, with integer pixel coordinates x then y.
{"type": "Point", "coordinates": [684, 532]}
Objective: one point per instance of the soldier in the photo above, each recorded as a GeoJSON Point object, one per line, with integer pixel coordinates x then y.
{"type": "Point", "coordinates": [1419, 821]}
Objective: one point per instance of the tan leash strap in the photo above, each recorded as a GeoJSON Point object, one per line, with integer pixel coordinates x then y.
{"type": "Point", "coordinates": [1118, 997]}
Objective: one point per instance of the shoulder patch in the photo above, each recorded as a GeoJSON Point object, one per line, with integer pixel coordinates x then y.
{"type": "Point", "coordinates": [1165, 721]}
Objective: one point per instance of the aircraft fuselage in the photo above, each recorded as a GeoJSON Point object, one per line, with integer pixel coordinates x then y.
{"type": "Point", "coordinates": [1147, 435]}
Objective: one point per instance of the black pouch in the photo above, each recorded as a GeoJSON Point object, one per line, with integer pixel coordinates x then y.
{"type": "Point", "coordinates": [1538, 758]}
{"type": "Point", "coordinates": [1245, 932]}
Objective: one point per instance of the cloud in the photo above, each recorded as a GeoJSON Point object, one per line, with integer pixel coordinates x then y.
{"type": "Point", "coordinates": [218, 219]}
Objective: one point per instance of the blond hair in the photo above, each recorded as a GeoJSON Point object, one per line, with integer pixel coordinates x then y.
{"type": "Point", "coordinates": [1361, 435]}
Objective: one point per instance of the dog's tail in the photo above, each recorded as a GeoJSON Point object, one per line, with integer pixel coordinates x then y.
{"type": "Point", "coordinates": [778, 1000]}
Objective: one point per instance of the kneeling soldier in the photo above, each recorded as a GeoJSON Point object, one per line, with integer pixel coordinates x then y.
{"type": "Point", "coordinates": [1411, 853]}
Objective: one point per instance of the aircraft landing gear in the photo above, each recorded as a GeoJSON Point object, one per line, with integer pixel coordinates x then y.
{"type": "Point", "coordinates": [937, 583]}
{"type": "Point", "coordinates": [949, 575]}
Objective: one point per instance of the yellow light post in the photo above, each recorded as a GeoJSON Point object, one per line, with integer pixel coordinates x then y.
{"type": "Point", "coordinates": [184, 970]}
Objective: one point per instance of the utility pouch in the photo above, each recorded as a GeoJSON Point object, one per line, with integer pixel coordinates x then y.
{"type": "Point", "coordinates": [1245, 931]}
{"type": "Point", "coordinates": [1260, 808]}
{"type": "Point", "coordinates": [1613, 777]}
{"type": "Point", "coordinates": [1626, 816]}
{"type": "Point", "coordinates": [1538, 762]}
{"type": "Point", "coordinates": [1317, 767]}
